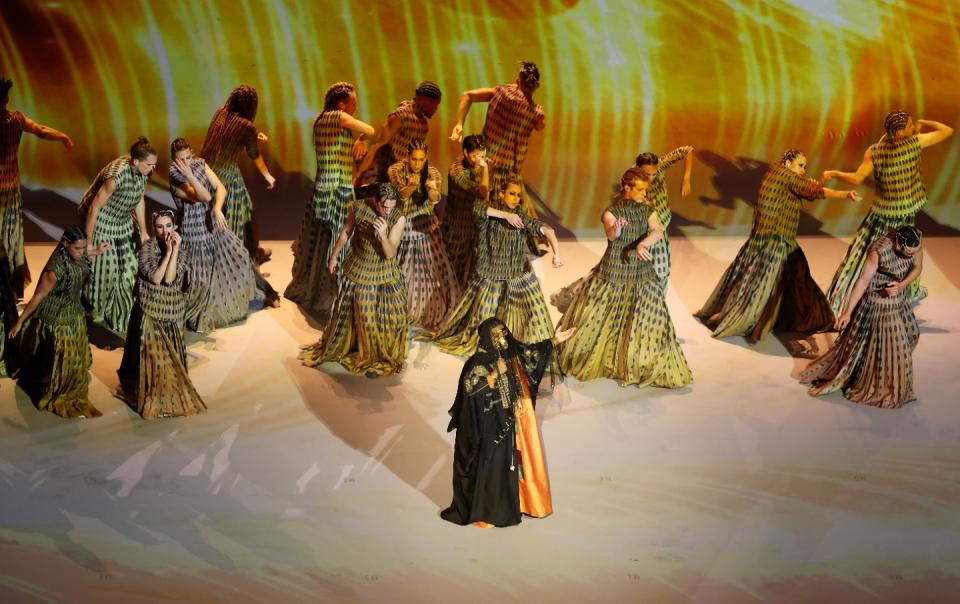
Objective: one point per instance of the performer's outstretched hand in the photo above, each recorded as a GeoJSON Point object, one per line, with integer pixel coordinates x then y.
{"type": "Point", "coordinates": [457, 134]}
{"type": "Point", "coordinates": [562, 336]}
{"type": "Point", "coordinates": [853, 196]}
{"type": "Point", "coordinates": [685, 188]}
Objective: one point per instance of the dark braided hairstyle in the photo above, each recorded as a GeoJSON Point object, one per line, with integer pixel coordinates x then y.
{"type": "Point", "coordinates": [243, 101]}
{"type": "Point", "coordinates": [529, 74]}
{"type": "Point", "coordinates": [336, 93]}
{"type": "Point", "coordinates": [895, 120]}
{"type": "Point", "coordinates": [908, 236]}
{"type": "Point", "coordinates": [789, 155]}
{"type": "Point", "coordinates": [429, 90]}
{"type": "Point", "coordinates": [5, 85]}
{"type": "Point", "coordinates": [648, 158]}
{"type": "Point", "coordinates": [72, 234]}
{"type": "Point", "coordinates": [141, 149]}
{"type": "Point", "coordinates": [420, 195]}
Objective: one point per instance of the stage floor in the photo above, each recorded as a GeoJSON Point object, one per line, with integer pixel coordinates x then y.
{"type": "Point", "coordinates": [307, 485]}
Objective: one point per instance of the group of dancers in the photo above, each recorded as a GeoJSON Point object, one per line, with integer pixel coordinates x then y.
{"type": "Point", "coordinates": [378, 266]}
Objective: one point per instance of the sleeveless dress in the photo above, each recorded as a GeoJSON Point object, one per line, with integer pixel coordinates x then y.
{"type": "Point", "coordinates": [871, 360]}
{"type": "Point", "coordinates": [11, 208]}
{"type": "Point", "coordinates": [624, 331]}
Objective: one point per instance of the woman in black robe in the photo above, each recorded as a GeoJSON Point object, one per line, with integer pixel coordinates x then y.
{"type": "Point", "coordinates": [498, 467]}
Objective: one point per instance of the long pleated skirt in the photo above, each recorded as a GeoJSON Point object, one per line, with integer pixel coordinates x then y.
{"type": "Point", "coordinates": [517, 302]}
{"type": "Point", "coordinates": [222, 282]}
{"type": "Point", "coordinates": [624, 332]}
{"type": "Point", "coordinates": [871, 361]}
{"type": "Point", "coordinates": [367, 332]}
{"type": "Point", "coordinates": [55, 360]}
{"type": "Point", "coordinates": [432, 289]}
{"type": "Point", "coordinates": [153, 372]}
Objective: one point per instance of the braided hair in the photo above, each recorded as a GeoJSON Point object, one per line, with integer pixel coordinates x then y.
{"type": "Point", "coordinates": [529, 74]}
{"type": "Point", "coordinates": [420, 195]}
{"type": "Point", "coordinates": [907, 236]}
{"type": "Point", "coordinates": [243, 101]}
{"type": "Point", "coordinates": [895, 121]}
{"type": "Point", "coordinates": [336, 93]}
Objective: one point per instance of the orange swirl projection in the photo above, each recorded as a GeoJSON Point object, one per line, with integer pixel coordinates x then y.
{"type": "Point", "coordinates": [740, 80]}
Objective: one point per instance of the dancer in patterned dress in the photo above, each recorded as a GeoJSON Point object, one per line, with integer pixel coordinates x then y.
{"type": "Point", "coordinates": [410, 121]}
{"type": "Point", "coordinates": [468, 184]}
{"type": "Point", "coordinates": [50, 337]}
{"type": "Point", "coordinates": [769, 284]}
{"type": "Point", "coordinates": [504, 284]}
{"type": "Point", "coordinates": [367, 331]}
{"type": "Point", "coordinates": [153, 373]}
{"type": "Point", "coordinates": [511, 118]}
{"type": "Point", "coordinates": [656, 170]}
{"type": "Point", "coordinates": [432, 289]}
{"type": "Point", "coordinates": [106, 210]}
{"type": "Point", "coordinates": [8, 315]}
{"type": "Point", "coordinates": [624, 331]}
{"type": "Point", "coordinates": [894, 162]}
{"type": "Point", "coordinates": [871, 360]}
{"type": "Point", "coordinates": [232, 132]}
{"type": "Point", "coordinates": [313, 287]}
{"type": "Point", "coordinates": [223, 279]}
{"type": "Point", "coordinates": [12, 126]}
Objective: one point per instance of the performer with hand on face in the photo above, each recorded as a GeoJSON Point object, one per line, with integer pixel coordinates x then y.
{"type": "Point", "coordinates": [499, 470]}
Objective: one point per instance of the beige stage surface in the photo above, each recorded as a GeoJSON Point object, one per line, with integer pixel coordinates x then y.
{"type": "Point", "coordinates": [306, 485]}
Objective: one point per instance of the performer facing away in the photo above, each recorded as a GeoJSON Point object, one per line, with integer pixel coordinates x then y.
{"type": "Point", "coordinates": [511, 118]}
{"type": "Point", "coordinates": [12, 126]}
{"type": "Point", "coordinates": [894, 162]}
{"type": "Point", "coordinates": [367, 332]}
{"type": "Point", "coordinates": [223, 279]}
{"type": "Point", "coordinates": [468, 183]}
{"type": "Point", "coordinates": [769, 283]}
{"type": "Point", "coordinates": [51, 334]}
{"type": "Point", "coordinates": [153, 372]}
{"type": "Point", "coordinates": [499, 471]}
{"type": "Point", "coordinates": [106, 210]}
{"type": "Point", "coordinates": [504, 284]}
{"type": "Point", "coordinates": [624, 331]}
{"type": "Point", "coordinates": [312, 286]}
{"type": "Point", "coordinates": [410, 121]}
{"type": "Point", "coordinates": [871, 360]}
{"type": "Point", "coordinates": [432, 289]}
{"type": "Point", "coordinates": [230, 133]}
{"type": "Point", "coordinates": [656, 170]}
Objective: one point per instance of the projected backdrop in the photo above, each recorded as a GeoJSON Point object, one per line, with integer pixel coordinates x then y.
{"type": "Point", "coordinates": [738, 80]}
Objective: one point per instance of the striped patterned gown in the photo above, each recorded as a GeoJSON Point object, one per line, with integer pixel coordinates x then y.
{"type": "Point", "coordinates": [432, 289]}
{"type": "Point", "coordinates": [110, 291]}
{"type": "Point", "coordinates": [871, 360]}
{"type": "Point", "coordinates": [367, 331]}
{"type": "Point", "coordinates": [504, 285]}
{"type": "Point", "coordinates": [769, 284]}
{"type": "Point", "coordinates": [8, 316]}
{"type": "Point", "coordinates": [459, 227]}
{"type": "Point", "coordinates": [228, 136]}
{"type": "Point", "coordinates": [54, 353]}
{"type": "Point", "coordinates": [11, 209]}
{"type": "Point", "coordinates": [412, 126]}
{"type": "Point", "coordinates": [624, 331]}
{"type": "Point", "coordinates": [657, 196]}
{"type": "Point", "coordinates": [900, 194]}
{"type": "Point", "coordinates": [511, 119]}
{"type": "Point", "coordinates": [313, 287]}
{"type": "Point", "coordinates": [153, 372]}
{"type": "Point", "coordinates": [222, 278]}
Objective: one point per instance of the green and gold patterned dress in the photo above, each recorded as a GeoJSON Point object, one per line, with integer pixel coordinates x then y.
{"type": "Point", "coordinates": [228, 136]}
{"type": "Point", "coordinates": [900, 194]}
{"type": "Point", "coordinates": [624, 331]}
{"type": "Point", "coordinates": [8, 316]}
{"type": "Point", "coordinates": [411, 126]}
{"type": "Point", "coordinates": [657, 196]}
{"type": "Point", "coordinates": [511, 119]}
{"type": "Point", "coordinates": [153, 372]}
{"type": "Point", "coordinates": [54, 353]}
{"type": "Point", "coordinates": [222, 277]}
{"type": "Point", "coordinates": [871, 360]}
{"type": "Point", "coordinates": [11, 209]}
{"type": "Point", "coordinates": [459, 227]}
{"type": "Point", "coordinates": [367, 331]}
{"type": "Point", "coordinates": [504, 285]}
{"type": "Point", "coordinates": [769, 284]}
{"type": "Point", "coordinates": [110, 291]}
{"type": "Point", "coordinates": [432, 290]}
{"type": "Point", "coordinates": [313, 287]}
